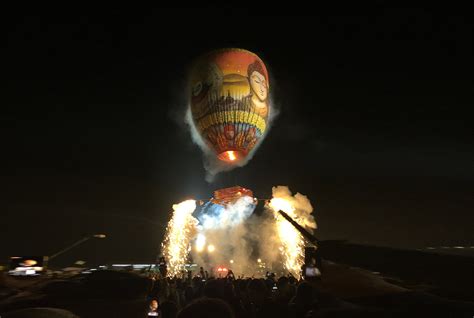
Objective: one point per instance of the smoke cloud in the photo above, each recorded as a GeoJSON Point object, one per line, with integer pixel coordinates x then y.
{"type": "Point", "coordinates": [227, 230]}
{"type": "Point", "coordinates": [300, 206]}
{"type": "Point", "coordinates": [235, 237]}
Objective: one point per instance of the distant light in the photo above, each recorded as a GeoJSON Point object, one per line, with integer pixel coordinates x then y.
{"type": "Point", "coordinates": [259, 260]}
{"type": "Point", "coordinates": [458, 247]}
{"type": "Point", "coordinates": [140, 266]}
{"type": "Point", "coordinates": [29, 262]}
{"type": "Point", "coordinates": [431, 248]}
{"type": "Point", "coordinates": [211, 248]}
{"type": "Point", "coordinates": [101, 236]}
{"type": "Point", "coordinates": [231, 261]}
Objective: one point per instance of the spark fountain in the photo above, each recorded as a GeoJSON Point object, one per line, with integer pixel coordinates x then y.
{"type": "Point", "coordinates": [225, 233]}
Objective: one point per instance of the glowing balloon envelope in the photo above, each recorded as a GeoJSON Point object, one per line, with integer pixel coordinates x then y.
{"type": "Point", "coordinates": [230, 101]}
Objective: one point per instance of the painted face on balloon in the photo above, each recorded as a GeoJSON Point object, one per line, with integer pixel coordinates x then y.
{"type": "Point", "coordinates": [259, 85]}
{"type": "Point", "coordinates": [250, 134]}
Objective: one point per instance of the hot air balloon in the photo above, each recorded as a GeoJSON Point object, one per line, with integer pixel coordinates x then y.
{"type": "Point", "coordinates": [230, 105]}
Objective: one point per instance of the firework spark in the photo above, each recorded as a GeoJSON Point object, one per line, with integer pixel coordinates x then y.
{"type": "Point", "coordinates": [180, 231]}
{"type": "Point", "coordinates": [292, 242]}
{"type": "Point", "coordinates": [299, 209]}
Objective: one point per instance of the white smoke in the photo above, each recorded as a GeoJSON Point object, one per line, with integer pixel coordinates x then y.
{"type": "Point", "coordinates": [227, 231]}
{"type": "Point", "coordinates": [233, 236]}
{"type": "Point", "coordinates": [300, 203]}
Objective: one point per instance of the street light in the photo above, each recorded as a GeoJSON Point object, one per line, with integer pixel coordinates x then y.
{"type": "Point", "coordinates": [82, 240]}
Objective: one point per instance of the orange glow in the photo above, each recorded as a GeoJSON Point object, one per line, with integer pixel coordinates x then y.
{"type": "Point", "coordinates": [230, 156]}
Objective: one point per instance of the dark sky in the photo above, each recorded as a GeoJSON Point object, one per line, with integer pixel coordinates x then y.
{"type": "Point", "coordinates": [374, 126]}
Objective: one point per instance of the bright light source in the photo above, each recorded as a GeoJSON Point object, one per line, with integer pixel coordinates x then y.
{"type": "Point", "coordinates": [231, 261]}
{"type": "Point", "coordinates": [29, 262]}
{"type": "Point", "coordinates": [179, 233]}
{"type": "Point", "coordinates": [211, 248]}
{"type": "Point", "coordinates": [200, 242]}
{"type": "Point", "coordinates": [121, 265]}
{"type": "Point", "coordinates": [231, 155]}
{"type": "Point", "coordinates": [259, 260]}
{"type": "Point", "coordinates": [101, 236]}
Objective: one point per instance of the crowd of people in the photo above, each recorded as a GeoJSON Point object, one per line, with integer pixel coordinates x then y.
{"type": "Point", "coordinates": [228, 296]}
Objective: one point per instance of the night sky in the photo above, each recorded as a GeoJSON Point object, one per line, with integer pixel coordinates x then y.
{"type": "Point", "coordinates": [374, 126]}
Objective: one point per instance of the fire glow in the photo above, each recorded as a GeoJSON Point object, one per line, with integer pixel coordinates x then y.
{"type": "Point", "coordinates": [229, 156]}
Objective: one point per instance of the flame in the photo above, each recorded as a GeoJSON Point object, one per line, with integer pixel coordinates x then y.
{"type": "Point", "coordinates": [231, 155]}
{"type": "Point", "coordinates": [179, 232]}
{"type": "Point", "coordinates": [292, 248]}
